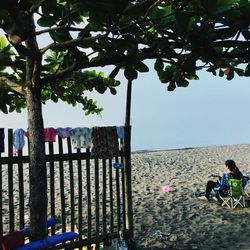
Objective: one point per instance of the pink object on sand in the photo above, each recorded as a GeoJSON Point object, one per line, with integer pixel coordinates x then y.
{"type": "Point", "coordinates": [165, 189]}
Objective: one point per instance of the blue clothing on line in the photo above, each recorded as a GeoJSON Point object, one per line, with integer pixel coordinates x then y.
{"type": "Point", "coordinates": [81, 137]}
{"type": "Point", "coordinates": [64, 132]}
{"type": "Point", "coordinates": [120, 132]}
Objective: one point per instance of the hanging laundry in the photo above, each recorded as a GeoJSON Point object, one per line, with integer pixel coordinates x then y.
{"type": "Point", "coordinates": [18, 138]}
{"type": "Point", "coordinates": [120, 132]}
{"type": "Point", "coordinates": [64, 132]}
{"type": "Point", "coordinates": [105, 142]}
{"type": "Point", "coordinates": [50, 134]}
{"type": "Point", "coordinates": [81, 137]}
{"type": "Point", "coordinates": [1, 139]}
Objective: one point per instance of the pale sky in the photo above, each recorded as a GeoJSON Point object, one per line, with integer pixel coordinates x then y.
{"type": "Point", "coordinates": [211, 111]}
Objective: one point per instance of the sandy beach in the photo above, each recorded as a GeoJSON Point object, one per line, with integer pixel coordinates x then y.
{"type": "Point", "coordinates": [184, 221]}
{"type": "Point", "coordinates": [175, 219]}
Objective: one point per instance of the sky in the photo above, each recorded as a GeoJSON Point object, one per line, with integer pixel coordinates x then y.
{"type": "Point", "coordinates": [211, 111]}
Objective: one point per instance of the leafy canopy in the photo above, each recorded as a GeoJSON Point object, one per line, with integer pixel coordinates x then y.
{"type": "Point", "coordinates": [182, 37]}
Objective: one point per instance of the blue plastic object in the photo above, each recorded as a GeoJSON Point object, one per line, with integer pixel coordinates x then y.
{"type": "Point", "coordinates": [49, 241]}
{"type": "Point", "coordinates": [117, 165]}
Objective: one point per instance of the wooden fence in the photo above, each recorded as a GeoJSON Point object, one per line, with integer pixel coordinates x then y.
{"type": "Point", "coordinates": [85, 194]}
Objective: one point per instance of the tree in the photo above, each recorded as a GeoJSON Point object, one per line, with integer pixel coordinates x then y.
{"type": "Point", "coordinates": [182, 36]}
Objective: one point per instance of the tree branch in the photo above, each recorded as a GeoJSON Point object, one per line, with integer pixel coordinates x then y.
{"type": "Point", "coordinates": [142, 55]}
{"type": "Point", "coordinates": [70, 43]}
{"type": "Point", "coordinates": [120, 59]}
{"type": "Point", "coordinates": [8, 84]}
{"type": "Point", "coordinates": [26, 52]}
{"type": "Point", "coordinates": [151, 7]}
{"type": "Point", "coordinates": [59, 28]}
{"type": "Point", "coordinates": [34, 7]}
{"type": "Point", "coordinates": [233, 43]}
{"type": "Point", "coordinates": [12, 64]}
{"type": "Point", "coordinates": [60, 74]}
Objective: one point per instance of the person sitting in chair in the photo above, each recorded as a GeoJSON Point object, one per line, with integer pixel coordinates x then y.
{"type": "Point", "coordinates": [230, 171]}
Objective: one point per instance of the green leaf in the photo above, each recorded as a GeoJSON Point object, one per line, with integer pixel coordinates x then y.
{"type": "Point", "coordinates": [113, 91]}
{"type": "Point", "coordinates": [225, 5]}
{"type": "Point", "coordinates": [2, 43]}
{"type": "Point", "coordinates": [171, 86]}
{"type": "Point", "coordinates": [230, 75]}
{"type": "Point", "coordinates": [247, 70]}
{"type": "Point", "coordinates": [221, 73]}
{"type": "Point", "coordinates": [2, 68]}
{"type": "Point", "coordinates": [54, 98]}
{"type": "Point", "coordinates": [3, 14]}
{"type": "Point", "coordinates": [157, 13]}
{"type": "Point", "coordinates": [138, 9]}
{"type": "Point", "coordinates": [165, 75]}
{"type": "Point", "coordinates": [210, 5]}
{"type": "Point", "coordinates": [141, 67]}
{"type": "Point", "coordinates": [189, 66]}
{"type": "Point", "coordinates": [47, 21]}
{"type": "Point", "coordinates": [226, 33]}
{"type": "Point", "coordinates": [103, 6]}
{"type": "Point", "coordinates": [49, 7]}
{"type": "Point", "coordinates": [3, 108]}
{"type": "Point", "coordinates": [219, 6]}
{"type": "Point", "coordinates": [192, 77]}
{"type": "Point", "coordinates": [246, 33]}
{"type": "Point", "coordinates": [159, 65]}
{"type": "Point", "coordinates": [240, 72]}
{"type": "Point", "coordinates": [184, 21]}
{"type": "Point", "coordinates": [245, 10]}
{"type": "Point", "coordinates": [212, 70]}
{"type": "Point", "coordinates": [182, 83]}
{"type": "Point", "coordinates": [233, 15]}
{"type": "Point", "coordinates": [130, 73]}
{"type": "Point", "coordinates": [60, 36]}
{"type": "Point", "coordinates": [161, 75]}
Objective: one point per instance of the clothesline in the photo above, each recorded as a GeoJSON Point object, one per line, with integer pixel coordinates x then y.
{"type": "Point", "coordinates": [103, 141]}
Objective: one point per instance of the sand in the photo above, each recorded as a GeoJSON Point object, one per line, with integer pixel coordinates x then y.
{"type": "Point", "coordinates": [184, 221]}
{"type": "Point", "coordinates": [177, 219]}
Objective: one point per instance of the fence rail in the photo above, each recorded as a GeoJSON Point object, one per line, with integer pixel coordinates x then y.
{"type": "Point", "coordinates": [85, 194]}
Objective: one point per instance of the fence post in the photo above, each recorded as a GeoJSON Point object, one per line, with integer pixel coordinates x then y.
{"type": "Point", "coordinates": [127, 163]}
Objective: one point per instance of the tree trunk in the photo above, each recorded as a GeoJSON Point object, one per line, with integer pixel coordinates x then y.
{"type": "Point", "coordinates": [38, 177]}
